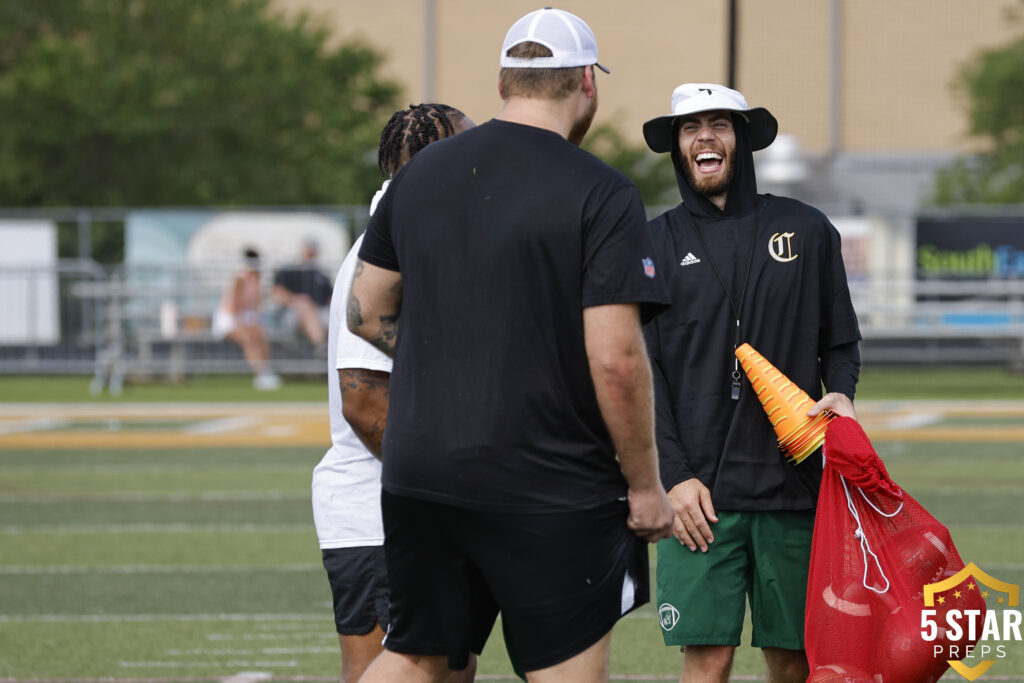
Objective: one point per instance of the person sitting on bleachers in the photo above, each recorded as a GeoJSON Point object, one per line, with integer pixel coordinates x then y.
{"type": "Point", "coordinates": [305, 293]}
{"type": "Point", "coordinates": [238, 318]}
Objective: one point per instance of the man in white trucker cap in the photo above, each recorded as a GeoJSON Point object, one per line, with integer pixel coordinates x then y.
{"type": "Point", "coordinates": [742, 267]}
{"type": "Point", "coordinates": [508, 273]}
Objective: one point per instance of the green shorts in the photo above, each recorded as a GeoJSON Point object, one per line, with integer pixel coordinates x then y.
{"type": "Point", "coordinates": [763, 555]}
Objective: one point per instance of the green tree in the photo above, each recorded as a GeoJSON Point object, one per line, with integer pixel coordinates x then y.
{"type": "Point", "coordinates": [993, 83]}
{"type": "Point", "coordinates": [652, 173]}
{"type": "Point", "coordinates": [183, 102]}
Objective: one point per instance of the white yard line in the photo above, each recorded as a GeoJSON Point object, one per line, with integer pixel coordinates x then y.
{"type": "Point", "coordinates": [913, 421]}
{"type": "Point", "coordinates": [39, 424]}
{"type": "Point", "coordinates": [151, 528]}
{"type": "Point", "coordinates": [142, 468]}
{"type": "Point", "coordinates": [249, 677]}
{"type": "Point", "coordinates": [113, 618]}
{"type": "Point", "coordinates": [206, 664]}
{"type": "Point", "coordinates": [221, 426]}
{"type": "Point", "coordinates": [274, 636]}
{"type": "Point", "coordinates": [16, 570]}
{"type": "Point", "coordinates": [249, 652]}
{"type": "Point", "coordinates": [163, 410]}
{"type": "Point", "coordinates": [153, 497]}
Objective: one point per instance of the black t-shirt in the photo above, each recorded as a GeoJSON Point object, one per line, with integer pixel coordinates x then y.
{"type": "Point", "coordinates": [503, 235]}
{"type": "Point", "coordinates": [303, 279]}
{"type": "Point", "coordinates": [797, 309]}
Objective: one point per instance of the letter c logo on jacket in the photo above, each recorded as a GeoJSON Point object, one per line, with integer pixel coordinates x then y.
{"type": "Point", "coordinates": [781, 248]}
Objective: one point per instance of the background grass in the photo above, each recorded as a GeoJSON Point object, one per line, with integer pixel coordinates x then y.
{"type": "Point", "coordinates": [116, 565]}
{"type": "Point", "coordinates": [877, 382]}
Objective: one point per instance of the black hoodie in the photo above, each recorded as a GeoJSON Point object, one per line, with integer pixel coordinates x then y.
{"type": "Point", "coordinates": [797, 313]}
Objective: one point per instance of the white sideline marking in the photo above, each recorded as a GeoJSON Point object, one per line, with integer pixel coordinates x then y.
{"type": "Point", "coordinates": [103, 618]}
{"type": "Point", "coordinates": [147, 497]}
{"type": "Point", "coordinates": [290, 663]}
{"type": "Point", "coordinates": [266, 651]}
{"type": "Point", "coordinates": [220, 426]}
{"type": "Point", "coordinates": [150, 528]}
{"type": "Point", "coordinates": [163, 409]}
{"type": "Point", "coordinates": [141, 468]}
{"type": "Point", "coordinates": [913, 421]}
{"type": "Point", "coordinates": [39, 424]}
{"type": "Point", "coordinates": [156, 569]}
{"type": "Point", "coordinates": [277, 628]}
{"type": "Point", "coordinates": [276, 636]}
{"type": "Point", "coordinates": [249, 677]}
{"type": "Point", "coordinates": [279, 431]}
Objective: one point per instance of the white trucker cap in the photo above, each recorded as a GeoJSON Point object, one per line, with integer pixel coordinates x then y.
{"type": "Point", "coordinates": [570, 40]}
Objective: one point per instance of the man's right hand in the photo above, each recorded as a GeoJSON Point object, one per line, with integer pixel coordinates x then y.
{"type": "Point", "coordinates": [650, 513]}
{"type": "Point", "coordinates": [691, 501]}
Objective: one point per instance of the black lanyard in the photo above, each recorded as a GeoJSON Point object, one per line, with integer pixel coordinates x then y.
{"type": "Point", "coordinates": [736, 375]}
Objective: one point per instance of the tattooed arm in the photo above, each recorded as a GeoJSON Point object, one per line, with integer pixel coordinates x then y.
{"type": "Point", "coordinates": [364, 403]}
{"type": "Point", "coordinates": [374, 305]}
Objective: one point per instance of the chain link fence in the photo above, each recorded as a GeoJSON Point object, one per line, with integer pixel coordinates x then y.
{"type": "Point", "coordinates": [133, 320]}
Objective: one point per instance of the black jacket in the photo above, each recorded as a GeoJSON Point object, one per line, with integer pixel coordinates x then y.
{"type": "Point", "coordinates": [797, 313]}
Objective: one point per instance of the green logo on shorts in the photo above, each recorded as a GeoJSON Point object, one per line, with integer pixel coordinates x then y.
{"type": "Point", "coordinates": [668, 616]}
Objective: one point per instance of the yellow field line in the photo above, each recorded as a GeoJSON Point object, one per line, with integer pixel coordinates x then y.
{"type": "Point", "coordinates": [307, 424]}
{"type": "Point", "coordinates": [284, 424]}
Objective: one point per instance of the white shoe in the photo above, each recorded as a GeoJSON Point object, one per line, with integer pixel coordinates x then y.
{"type": "Point", "coordinates": [268, 381]}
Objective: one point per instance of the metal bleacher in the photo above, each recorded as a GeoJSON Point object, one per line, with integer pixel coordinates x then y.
{"type": "Point", "coordinates": [922, 321]}
{"type": "Point", "coordinates": [114, 328]}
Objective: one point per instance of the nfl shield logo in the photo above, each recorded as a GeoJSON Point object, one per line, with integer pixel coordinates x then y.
{"type": "Point", "coordinates": [648, 267]}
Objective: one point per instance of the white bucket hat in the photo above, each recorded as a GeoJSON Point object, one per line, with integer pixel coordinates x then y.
{"type": "Point", "coordinates": [570, 40]}
{"type": "Point", "coordinates": [692, 98]}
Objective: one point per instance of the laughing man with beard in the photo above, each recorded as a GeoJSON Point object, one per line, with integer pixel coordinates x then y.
{"type": "Point", "coordinates": [741, 267]}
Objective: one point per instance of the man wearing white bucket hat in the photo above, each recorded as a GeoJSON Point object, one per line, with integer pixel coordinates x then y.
{"type": "Point", "coordinates": [742, 267]}
{"type": "Point", "coordinates": [508, 271]}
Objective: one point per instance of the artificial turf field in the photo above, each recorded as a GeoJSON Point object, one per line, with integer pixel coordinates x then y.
{"type": "Point", "coordinates": [174, 541]}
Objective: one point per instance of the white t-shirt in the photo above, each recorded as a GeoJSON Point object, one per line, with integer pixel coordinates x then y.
{"type": "Point", "coordinates": [346, 482]}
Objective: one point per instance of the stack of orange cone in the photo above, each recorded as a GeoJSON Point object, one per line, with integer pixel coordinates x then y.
{"type": "Point", "coordinates": [786, 405]}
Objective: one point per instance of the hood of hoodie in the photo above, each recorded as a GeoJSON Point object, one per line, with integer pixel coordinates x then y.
{"type": "Point", "coordinates": [742, 192]}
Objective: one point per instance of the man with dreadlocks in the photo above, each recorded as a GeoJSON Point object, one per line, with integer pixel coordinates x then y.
{"type": "Point", "coordinates": [409, 131]}
{"type": "Point", "coordinates": [742, 267]}
{"type": "Point", "coordinates": [346, 482]}
{"type": "Point", "coordinates": [519, 267]}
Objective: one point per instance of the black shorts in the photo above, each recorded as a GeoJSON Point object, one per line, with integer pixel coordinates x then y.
{"type": "Point", "coordinates": [560, 579]}
{"type": "Point", "coordinates": [359, 586]}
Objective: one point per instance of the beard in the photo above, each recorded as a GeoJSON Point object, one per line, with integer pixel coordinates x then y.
{"type": "Point", "coordinates": [582, 125]}
{"type": "Point", "coordinates": [709, 186]}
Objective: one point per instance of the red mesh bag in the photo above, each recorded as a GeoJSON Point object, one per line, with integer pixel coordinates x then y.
{"type": "Point", "coordinates": [874, 550]}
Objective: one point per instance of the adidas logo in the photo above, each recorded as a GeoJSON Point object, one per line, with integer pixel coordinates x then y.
{"type": "Point", "coordinates": [689, 259]}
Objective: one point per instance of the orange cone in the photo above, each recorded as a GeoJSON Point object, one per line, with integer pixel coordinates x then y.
{"type": "Point", "coordinates": [786, 405]}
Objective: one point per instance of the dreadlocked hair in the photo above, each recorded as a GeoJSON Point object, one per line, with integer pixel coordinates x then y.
{"type": "Point", "coordinates": [410, 130]}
